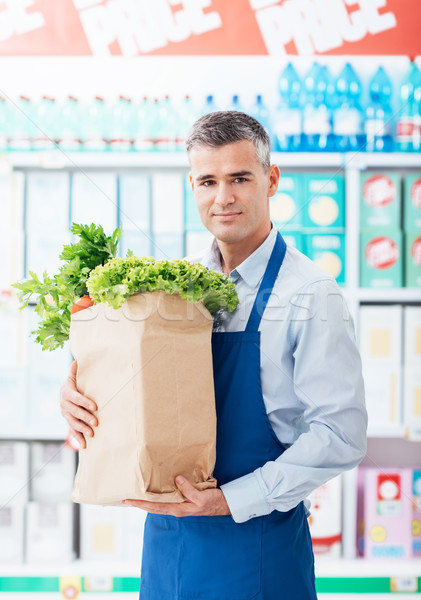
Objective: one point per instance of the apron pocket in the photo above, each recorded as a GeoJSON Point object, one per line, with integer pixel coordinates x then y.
{"type": "Point", "coordinates": [206, 558]}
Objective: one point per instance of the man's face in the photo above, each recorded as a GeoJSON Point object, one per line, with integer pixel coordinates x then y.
{"type": "Point", "coordinates": [232, 190]}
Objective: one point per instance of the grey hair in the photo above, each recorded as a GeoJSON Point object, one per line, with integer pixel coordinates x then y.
{"type": "Point", "coordinates": [228, 126]}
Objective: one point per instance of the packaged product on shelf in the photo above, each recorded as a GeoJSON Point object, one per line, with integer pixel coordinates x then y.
{"type": "Point", "coordinates": [381, 354]}
{"type": "Point", "coordinates": [412, 202]}
{"type": "Point", "coordinates": [49, 533]}
{"type": "Point", "coordinates": [14, 473]}
{"type": "Point", "coordinates": [12, 519]}
{"type": "Point", "coordinates": [102, 535]}
{"type": "Point", "coordinates": [348, 116]}
{"type": "Point", "coordinates": [167, 246]}
{"type": "Point", "coordinates": [94, 199]}
{"type": "Point", "coordinates": [164, 310]}
{"type": "Point", "coordinates": [197, 242]}
{"type": "Point", "coordinates": [167, 201]}
{"type": "Point", "coordinates": [326, 518]}
{"type": "Point", "coordinates": [53, 468]}
{"type": "Point", "coordinates": [412, 369]}
{"type": "Point", "coordinates": [296, 239]}
{"type": "Point", "coordinates": [388, 513]}
{"type": "Point", "coordinates": [286, 206]}
{"type": "Point", "coordinates": [47, 203]}
{"type": "Point", "coordinates": [328, 252]}
{"type": "Point", "coordinates": [192, 220]}
{"type": "Point", "coordinates": [11, 201]}
{"type": "Point", "coordinates": [324, 201]}
{"type": "Point", "coordinates": [121, 129]}
{"type": "Point", "coordinates": [413, 258]}
{"type": "Point", "coordinates": [13, 413]}
{"type": "Point", "coordinates": [134, 202]}
{"type": "Point", "coordinates": [380, 204]}
{"type": "Point", "coordinates": [381, 258]}
{"type": "Point", "coordinates": [12, 330]}
{"type": "Point", "coordinates": [416, 512]}
{"type": "Point", "coordinates": [287, 120]}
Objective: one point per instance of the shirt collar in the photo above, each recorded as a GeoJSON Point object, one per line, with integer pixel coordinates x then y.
{"type": "Point", "coordinates": [250, 270]}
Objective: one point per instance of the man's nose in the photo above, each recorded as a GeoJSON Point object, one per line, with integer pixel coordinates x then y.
{"type": "Point", "coordinates": [224, 195]}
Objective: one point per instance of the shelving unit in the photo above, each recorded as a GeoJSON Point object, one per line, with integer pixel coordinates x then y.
{"type": "Point", "coordinates": [347, 576]}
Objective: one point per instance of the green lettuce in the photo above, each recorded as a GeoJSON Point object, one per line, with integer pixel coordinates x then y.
{"type": "Point", "coordinates": [120, 278]}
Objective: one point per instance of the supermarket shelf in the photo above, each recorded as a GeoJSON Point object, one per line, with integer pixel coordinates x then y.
{"type": "Point", "coordinates": [357, 576]}
{"type": "Point", "coordinates": [56, 159]}
{"type": "Point", "coordinates": [389, 295]}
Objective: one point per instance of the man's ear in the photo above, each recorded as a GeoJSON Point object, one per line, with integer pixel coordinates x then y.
{"type": "Point", "coordinates": [273, 175]}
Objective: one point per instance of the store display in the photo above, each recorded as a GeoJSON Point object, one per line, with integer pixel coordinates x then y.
{"type": "Point", "coordinates": [379, 115]}
{"type": "Point", "coordinates": [49, 533]}
{"type": "Point", "coordinates": [380, 204]}
{"type": "Point", "coordinates": [325, 520]}
{"type": "Point", "coordinates": [12, 532]}
{"type": "Point", "coordinates": [412, 202]}
{"type": "Point", "coordinates": [52, 472]}
{"type": "Point", "coordinates": [408, 137]}
{"type": "Point", "coordinates": [288, 204]}
{"type": "Point", "coordinates": [413, 258]}
{"type": "Point", "coordinates": [381, 258]}
{"type": "Point", "coordinates": [14, 473]}
{"type": "Point", "coordinates": [381, 353]}
{"type": "Point", "coordinates": [328, 252]}
{"type": "Point", "coordinates": [324, 202]}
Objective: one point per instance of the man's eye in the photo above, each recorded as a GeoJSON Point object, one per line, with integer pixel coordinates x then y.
{"type": "Point", "coordinates": [207, 183]}
{"type": "Point", "coordinates": [240, 179]}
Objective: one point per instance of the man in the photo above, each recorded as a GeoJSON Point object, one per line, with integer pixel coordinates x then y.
{"type": "Point", "coordinates": [288, 387]}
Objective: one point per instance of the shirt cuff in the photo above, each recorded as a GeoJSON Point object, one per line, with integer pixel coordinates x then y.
{"type": "Point", "coordinates": [245, 498]}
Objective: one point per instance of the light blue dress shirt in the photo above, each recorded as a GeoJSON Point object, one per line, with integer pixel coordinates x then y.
{"type": "Point", "coordinates": [311, 379]}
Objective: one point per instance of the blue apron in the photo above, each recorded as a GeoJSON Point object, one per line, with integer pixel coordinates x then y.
{"type": "Point", "coordinates": [214, 558]}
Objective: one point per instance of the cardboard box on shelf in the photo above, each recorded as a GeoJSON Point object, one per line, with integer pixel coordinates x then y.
{"type": "Point", "coordinates": [326, 518]}
{"type": "Point", "coordinates": [286, 206]}
{"type": "Point", "coordinates": [53, 467]}
{"type": "Point", "coordinates": [167, 202]}
{"type": "Point", "coordinates": [12, 521]}
{"type": "Point", "coordinates": [413, 258]}
{"type": "Point", "coordinates": [14, 473]}
{"type": "Point", "coordinates": [49, 533]}
{"type": "Point", "coordinates": [416, 512]}
{"type": "Point", "coordinates": [380, 204]}
{"type": "Point", "coordinates": [328, 252]}
{"type": "Point", "coordinates": [94, 200]}
{"type": "Point", "coordinates": [381, 259]}
{"type": "Point", "coordinates": [135, 202]}
{"type": "Point", "coordinates": [388, 513]}
{"type": "Point", "coordinates": [381, 354]}
{"type": "Point", "coordinates": [324, 201]}
{"type": "Point", "coordinates": [102, 533]}
{"type": "Point", "coordinates": [412, 202]}
{"type": "Point", "coordinates": [47, 202]}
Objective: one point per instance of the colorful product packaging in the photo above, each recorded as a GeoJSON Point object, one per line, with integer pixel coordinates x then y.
{"type": "Point", "coordinates": [380, 204]}
{"type": "Point", "coordinates": [416, 512]}
{"type": "Point", "coordinates": [413, 258]}
{"type": "Point", "coordinates": [325, 520]}
{"type": "Point", "coordinates": [388, 513]}
{"type": "Point", "coordinates": [380, 334]}
{"type": "Point", "coordinates": [324, 201]}
{"type": "Point", "coordinates": [381, 258]}
{"type": "Point", "coordinates": [286, 206]}
{"type": "Point", "coordinates": [412, 202]}
{"type": "Point", "coordinates": [328, 252]}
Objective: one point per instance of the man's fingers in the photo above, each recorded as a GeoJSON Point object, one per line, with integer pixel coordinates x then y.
{"type": "Point", "coordinates": [188, 491]}
{"type": "Point", "coordinates": [81, 400]}
{"type": "Point", "coordinates": [78, 437]}
{"type": "Point", "coordinates": [79, 426]}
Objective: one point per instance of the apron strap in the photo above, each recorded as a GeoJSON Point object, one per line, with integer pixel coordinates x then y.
{"type": "Point", "coordinates": [268, 281]}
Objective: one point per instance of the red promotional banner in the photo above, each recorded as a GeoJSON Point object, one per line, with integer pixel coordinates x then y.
{"type": "Point", "coordinates": [209, 27]}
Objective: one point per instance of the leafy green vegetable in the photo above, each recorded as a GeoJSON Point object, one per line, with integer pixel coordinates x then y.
{"type": "Point", "coordinates": [56, 295]}
{"type": "Point", "coordinates": [120, 278]}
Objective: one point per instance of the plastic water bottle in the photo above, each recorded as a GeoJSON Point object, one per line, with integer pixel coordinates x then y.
{"type": "Point", "coordinates": [317, 127]}
{"type": "Point", "coordinates": [260, 112]}
{"type": "Point", "coordinates": [378, 114]}
{"type": "Point", "coordinates": [142, 136]}
{"type": "Point", "coordinates": [348, 116]}
{"type": "Point", "coordinates": [121, 129]}
{"type": "Point", "coordinates": [70, 125]}
{"type": "Point", "coordinates": [287, 122]}
{"type": "Point", "coordinates": [166, 135]}
{"type": "Point", "coordinates": [4, 124]}
{"type": "Point", "coordinates": [95, 128]}
{"type": "Point", "coordinates": [185, 118]}
{"type": "Point", "coordinates": [46, 124]}
{"type": "Point", "coordinates": [407, 126]}
{"type": "Point", "coordinates": [22, 124]}
{"type": "Point", "coordinates": [235, 104]}
{"type": "Point", "coordinates": [209, 106]}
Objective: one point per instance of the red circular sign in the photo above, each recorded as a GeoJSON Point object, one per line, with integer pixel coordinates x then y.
{"type": "Point", "coordinates": [416, 251]}
{"type": "Point", "coordinates": [379, 190]}
{"type": "Point", "coordinates": [381, 252]}
{"type": "Point", "coordinates": [415, 193]}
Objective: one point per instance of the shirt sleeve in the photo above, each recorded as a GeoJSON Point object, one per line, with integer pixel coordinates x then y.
{"type": "Point", "coordinates": [328, 384]}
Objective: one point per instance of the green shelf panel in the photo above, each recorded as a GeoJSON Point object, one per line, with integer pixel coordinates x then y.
{"type": "Point", "coordinates": [29, 584]}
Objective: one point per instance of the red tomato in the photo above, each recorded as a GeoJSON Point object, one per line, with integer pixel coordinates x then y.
{"type": "Point", "coordinates": [84, 302]}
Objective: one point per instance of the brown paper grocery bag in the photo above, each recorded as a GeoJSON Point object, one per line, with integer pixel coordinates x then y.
{"type": "Point", "coordinates": [148, 367]}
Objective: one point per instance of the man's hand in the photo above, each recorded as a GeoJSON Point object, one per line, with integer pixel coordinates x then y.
{"type": "Point", "coordinates": [76, 408]}
{"type": "Point", "coordinates": [206, 503]}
